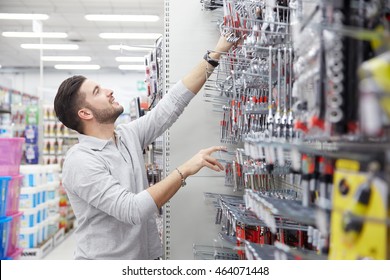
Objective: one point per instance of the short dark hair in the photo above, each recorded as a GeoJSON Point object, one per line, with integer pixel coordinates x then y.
{"type": "Point", "coordinates": [68, 101]}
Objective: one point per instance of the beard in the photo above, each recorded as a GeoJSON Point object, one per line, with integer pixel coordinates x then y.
{"type": "Point", "coordinates": [105, 116]}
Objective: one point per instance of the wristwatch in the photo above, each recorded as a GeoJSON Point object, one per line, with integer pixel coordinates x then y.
{"type": "Point", "coordinates": [211, 61]}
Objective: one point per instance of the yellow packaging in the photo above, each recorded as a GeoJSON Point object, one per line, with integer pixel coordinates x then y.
{"type": "Point", "coordinates": [371, 239]}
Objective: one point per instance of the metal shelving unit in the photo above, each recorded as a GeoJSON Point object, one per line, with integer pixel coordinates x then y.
{"type": "Point", "coordinates": [289, 94]}
{"type": "Point", "coordinates": [166, 140]}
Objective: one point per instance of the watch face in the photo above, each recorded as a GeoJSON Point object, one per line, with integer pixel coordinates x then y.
{"type": "Point", "coordinates": [211, 61]}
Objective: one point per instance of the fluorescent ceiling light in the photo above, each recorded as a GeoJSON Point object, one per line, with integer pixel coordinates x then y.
{"type": "Point", "coordinates": [129, 59]}
{"type": "Point", "coordinates": [153, 36]}
{"type": "Point", "coordinates": [139, 18]}
{"type": "Point", "coordinates": [129, 48]}
{"type": "Point", "coordinates": [132, 67]}
{"type": "Point", "coordinates": [24, 16]}
{"type": "Point", "coordinates": [77, 67]}
{"type": "Point", "coordinates": [66, 58]}
{"type": "Point", "coordinates": [35, 34]}
{"type": "Point", "coordinates": [50, 46]}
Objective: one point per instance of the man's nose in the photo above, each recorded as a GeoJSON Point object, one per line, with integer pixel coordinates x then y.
{"type": "Point", "coordinates": [109, 92]}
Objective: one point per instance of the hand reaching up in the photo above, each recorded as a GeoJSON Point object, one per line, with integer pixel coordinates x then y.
{"type": "Point", "coordinates": [202, 159]}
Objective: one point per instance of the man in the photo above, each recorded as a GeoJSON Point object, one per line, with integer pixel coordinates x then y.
{"type": "Point", "coordinates": [104, 174]}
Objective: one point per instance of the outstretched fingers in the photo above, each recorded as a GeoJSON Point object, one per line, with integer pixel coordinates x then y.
{"type": "Point", "coordinates": [212, 163]}
{"type": "Point", "coordinates": [213, 149]}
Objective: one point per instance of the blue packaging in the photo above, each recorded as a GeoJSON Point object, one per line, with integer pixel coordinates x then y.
{"type": "Point", "coordinates": [32, 154]}
{"type": "Point", "coordinates": [31, 134]}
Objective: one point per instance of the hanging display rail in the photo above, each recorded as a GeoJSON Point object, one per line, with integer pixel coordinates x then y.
{"type": "Point", "coordinates": [304, 91]}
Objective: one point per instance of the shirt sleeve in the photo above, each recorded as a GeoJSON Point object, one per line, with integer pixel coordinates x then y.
{"type": "Point", "coordinates": [93, 185]}
{"type": "Point", "coordinates": [160, 118]}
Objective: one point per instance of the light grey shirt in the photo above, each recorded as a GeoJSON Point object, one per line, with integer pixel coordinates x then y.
{"type": "Point", "coordinates": [106, 183]}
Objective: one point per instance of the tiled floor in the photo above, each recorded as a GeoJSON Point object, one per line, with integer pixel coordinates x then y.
{"type": "Point", "coordinates": [64, 251]}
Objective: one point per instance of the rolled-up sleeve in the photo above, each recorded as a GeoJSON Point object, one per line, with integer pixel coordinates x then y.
{"type": "Point", "coordinates": [92, 185]}
{"type": "Point", "coordinates": [160, 118]}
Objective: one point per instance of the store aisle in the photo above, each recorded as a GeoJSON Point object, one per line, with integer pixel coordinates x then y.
{"type": "Point", "coordinates": [64, 251]}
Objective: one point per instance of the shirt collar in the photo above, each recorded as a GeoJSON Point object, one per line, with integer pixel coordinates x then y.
{"type": "Point", "coordinates": [93, 142]}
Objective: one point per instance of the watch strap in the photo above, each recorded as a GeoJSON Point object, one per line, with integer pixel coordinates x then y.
{"type": "Point", "coordinates": [211, 61]}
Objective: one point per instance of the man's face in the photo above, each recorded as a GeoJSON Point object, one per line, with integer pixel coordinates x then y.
{"type": "Point", "coordinates": [101, 102]}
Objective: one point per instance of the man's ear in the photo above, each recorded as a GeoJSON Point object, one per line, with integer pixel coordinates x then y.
{"type": "Point", "coordinates": [85, 114]}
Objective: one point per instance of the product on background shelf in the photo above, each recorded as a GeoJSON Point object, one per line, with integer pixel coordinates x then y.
{"type": "Point", "coordinates": [4, 184]}
{"type": "Point", "coordinates": [32, 154]}
{"type": "Point", "coordinates": [57, 138]}
{"type": "Point", "coordinates": [13, 195]}
{"type": "Point", "coordinates": [40, 203]}
{"type": "Point", "coordinates": [10, 158]}
{"type": "Point", "coordinates": [358, 226]}
{"type": "Point", "coordinates": [13, 235]}
{"type": "Point", "coordinates": [59, 146]}
{"type": "Point", "coordinates": [5, 227]}
{"type": "Point", "coordinates": [11, 150]}
{"type": "Point", "coordinates": [32, 114]}
{"type": "Point", "coordinates": [31, 134]}
{"type": "Point", "coordinates": [46, 132]}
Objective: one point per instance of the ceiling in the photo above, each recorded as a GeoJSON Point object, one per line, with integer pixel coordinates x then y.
{"type": "Point", "coordinates": [68, 16]}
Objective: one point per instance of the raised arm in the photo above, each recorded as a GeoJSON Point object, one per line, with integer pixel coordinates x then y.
{"type": "Point", "coordinates": [195, 79]}
{"type": "Point", "coordinates": [167, 111]}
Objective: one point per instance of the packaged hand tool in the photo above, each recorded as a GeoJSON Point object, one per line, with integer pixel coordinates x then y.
{"type": "Point", "coordinates": [359, 219]}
